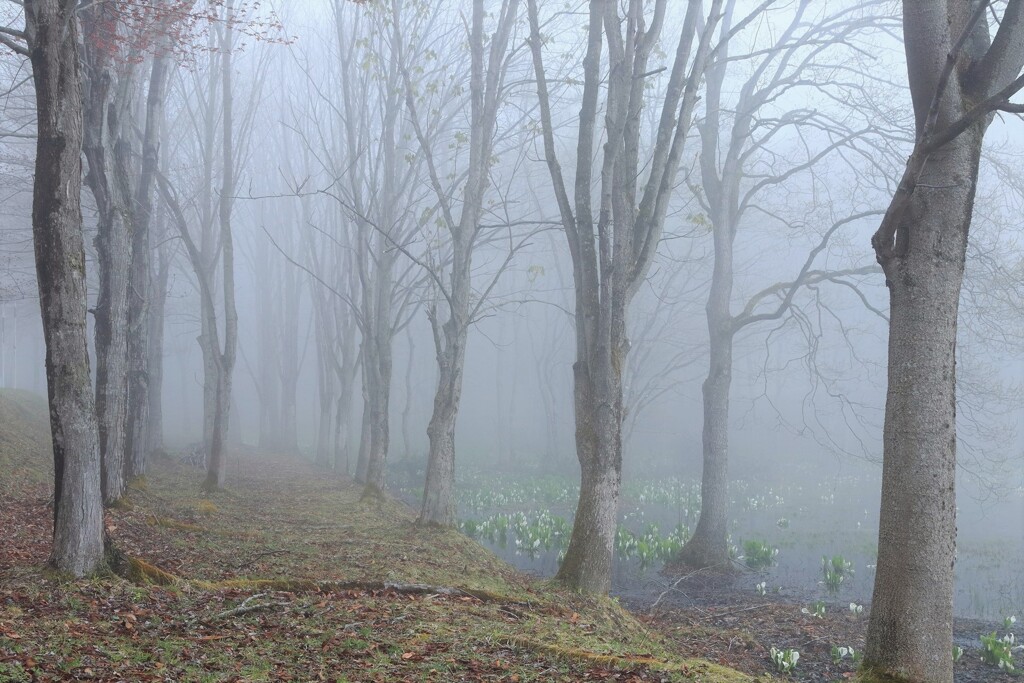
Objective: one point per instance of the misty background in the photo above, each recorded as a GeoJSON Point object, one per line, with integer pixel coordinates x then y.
{"type": "Point", "coordinates": [808, 387]}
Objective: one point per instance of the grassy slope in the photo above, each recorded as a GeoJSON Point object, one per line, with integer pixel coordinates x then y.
{"type": "Point", "coordinates": [310, 558]}
{"type": "Point", "coordinates": [24, 441]}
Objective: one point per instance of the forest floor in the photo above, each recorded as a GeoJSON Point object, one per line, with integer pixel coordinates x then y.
{"type": "Point", "coordinates": [289, 576]}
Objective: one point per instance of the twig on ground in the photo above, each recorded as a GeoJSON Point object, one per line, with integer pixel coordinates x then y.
{"type": "Point", "coordinates": [737, 611]}
{"type": "Point", "coordinates": [246, 608]}
{"type": "Point", "coordinates": [259, 556]}
{"type": "Point", "coordinates": [676, 583]}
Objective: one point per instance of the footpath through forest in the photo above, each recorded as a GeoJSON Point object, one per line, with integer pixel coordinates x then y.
{"type": "Point", "coordinates": [288, 576]}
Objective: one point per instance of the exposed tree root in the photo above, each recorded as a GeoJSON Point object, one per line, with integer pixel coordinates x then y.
{"type": "Point", "coordinates": [137, 571]}
{"type": "Point", "coordinates": [311, 586]}
{"type": "Point", "coordinates": [141, 572]}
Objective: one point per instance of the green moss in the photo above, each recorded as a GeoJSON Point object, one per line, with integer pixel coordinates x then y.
{"type": "Point", "coordinates": [142, 572]}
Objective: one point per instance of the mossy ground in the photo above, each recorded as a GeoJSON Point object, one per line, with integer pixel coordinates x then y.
{"type": "Point", "coordinates": [312, 559]}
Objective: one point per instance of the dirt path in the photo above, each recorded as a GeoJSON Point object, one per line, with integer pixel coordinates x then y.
{"type": "Point", "coordinates": [290, 576]}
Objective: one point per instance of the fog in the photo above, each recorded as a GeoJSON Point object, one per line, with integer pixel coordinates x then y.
{"type": "Point", "coordinates": [341, 243]}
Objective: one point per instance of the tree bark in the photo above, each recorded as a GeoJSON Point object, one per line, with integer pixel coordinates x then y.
{"type": "Point", "coordinates": [707, 547]}
{"type": "Point", "coordinates": [141, 276]}
{"type": "Point", "coordinates": [155, 364]}
{"type": "Point", "coordinates": [588, 559]}
{"type": "Point", "coordinates": [921, 246]}
{"type": "Point", "coordinates": [52, 35]}
{"type": "Point", "coordinates": [438, 505]}
{"type": "Point", "coordinates": [225, 361]}
{"type": "Point", "coordinates": [911, 624]}
{"type": "Point", "coordinates": [109, 154]}
{"type": "Point", "coordinates": [363, 456]}
{"type": "Point", "coordinates": [379, 393]}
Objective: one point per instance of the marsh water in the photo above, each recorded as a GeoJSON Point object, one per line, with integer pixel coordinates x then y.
{"type": "Point", "coordinates": [807, 542]}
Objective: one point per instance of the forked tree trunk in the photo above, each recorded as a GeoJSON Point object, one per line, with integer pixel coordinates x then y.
{"type": "Point", "coordinates": [612, 252]}
{"type": "Point", "coordinates": [52, 32]}
{"type": "Point", "coordinates": [486, 79]}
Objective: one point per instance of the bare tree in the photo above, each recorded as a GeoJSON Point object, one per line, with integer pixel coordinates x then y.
{"type": "Point", "coordinates": [958, 77]}
{"type": "Point", "coordinates": [148, 287]}
{"type": "Point", "coordinates": [612, 254]}
{"type": "Point", "coordinates": [739, 169]}
{"type": "Point", "coordinates": [213, 251]}
{"type": "Point", "coordinates": [486, 86]}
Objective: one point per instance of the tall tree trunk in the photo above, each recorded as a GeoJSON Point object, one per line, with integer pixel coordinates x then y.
{"type": "Point", "coordinates": [410, 361]}
{"type": "Point", "coordinates": [707, 547]}
{"type": "Point", "coordinates": [958, 76]}
{"type": "Point", "coordinates": [439, 491]}
{"type": "Point", "coordinates": [347, 370]}
{"type": "Point", "coordinates": [612, 254]}
{"type": "Point", "coordinates": [289, 362]}
{"type": "Point", "coordinates": [109, 155]}
{"type": "Point", "coordinates": [486, 79]}
{"type": "Point", "coordinates": [155, 364]}
{"type": "Point", "coordinates": [51, 28]}
{"type": "Point", "coordinates": [380, 399]}
{"type": "Point", "coordinates": [325, 383]}
{"type": "Point", "coordinates": [225, 365]}
{"type": "Point", "coordinates": [141, 278]}
{"type": "Point", "coordinates": [911, 622]}
{"type": "Point", "coordinates": [363, 456]}
{"type": "Point", "coordinates": [269, 360]}
{"type": "Point", "coordinates": [598, 401]}
{"type": "Point", "coordinates": [209, 346]}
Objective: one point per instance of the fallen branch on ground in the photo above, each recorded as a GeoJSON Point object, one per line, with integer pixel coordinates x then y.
{"type": "Point", "coordinates": [259, 556]}
{"type": "Point", "coordinates": [246, 608]}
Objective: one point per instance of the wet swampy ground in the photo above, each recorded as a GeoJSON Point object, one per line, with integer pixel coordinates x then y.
{"type": "Point", "coordinates": [802, 568]}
